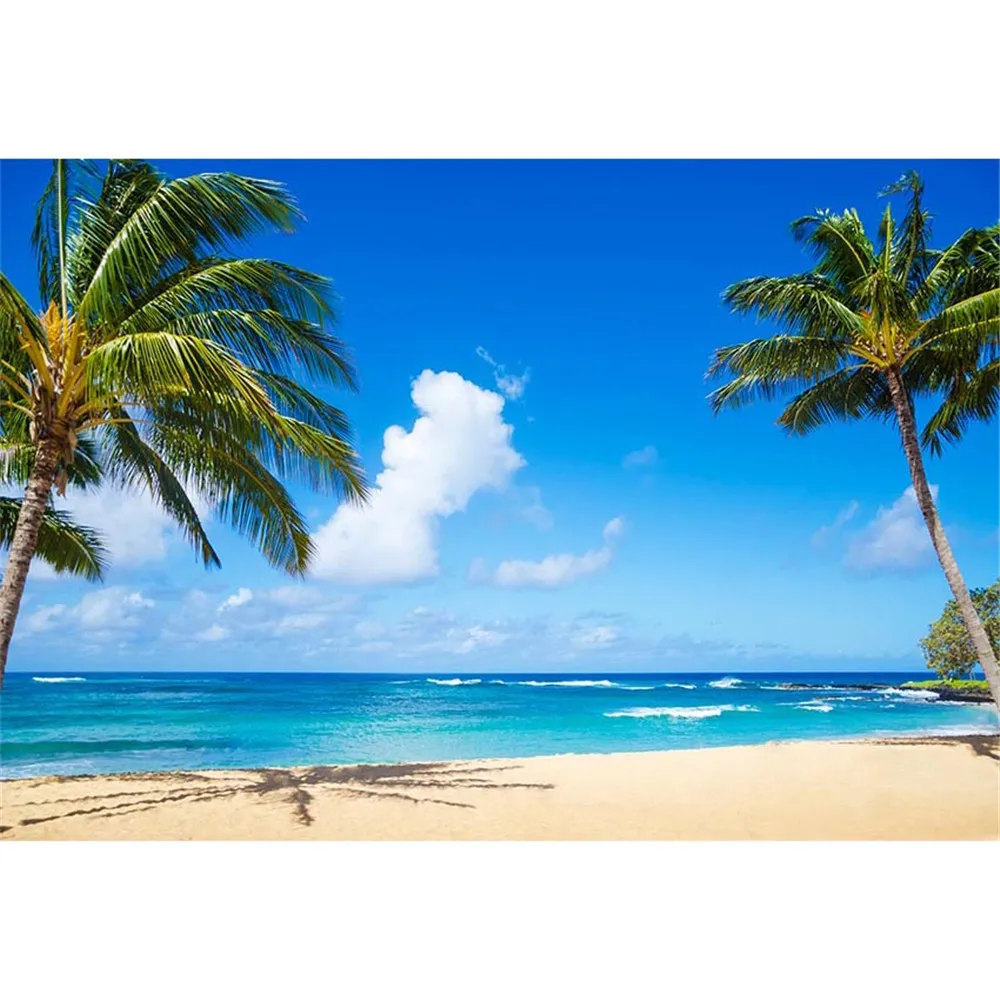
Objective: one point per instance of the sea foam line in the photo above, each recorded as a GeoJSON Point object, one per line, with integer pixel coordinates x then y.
{"type": "Point", "coordinates": [913, 695]}
{"type": "Point", "coordinates": [675, 712]}
{"type": "Point", "coordinates": [58, 680]}
{"type": "Point", "coordinates": [726, 682]}
{"type": "Point", "coordinates": [543, 684]}
{"type": "Point", "coordinates": [455, 681]}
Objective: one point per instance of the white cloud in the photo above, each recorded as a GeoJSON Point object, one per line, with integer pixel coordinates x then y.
{"type": "Point", "coordinates": [552, 571]}
{"type": "Point", "coordinates": [896, 539]}
{"type": "Point", "coordinates": [301, 622]}
{"type": "Point", "coordinates": [134, 528]}
{"type": "Point", "coordinates": [613, 528]}
{"type": "Point", "coordinates": [600, 635]}
{"type": "Point", "coordinates": [533, 510]}
{"type": "Point", "coordinates": [644, 456]}
{"type": "Point", "coordinates": [242, 596]}
{"type": "Point", "coordinates": [109, 609]}
{"type": "Point", "coordinates": [844, 515]}
{"type": "Point", "coordinates": [512, 386]}
{"type": "Point", "coordinates": [458, 446]}
{"type": "Point", "coordinates": [214, 633]}
{"type": "Point", "coordinates": [43, 619]}
{"type": "Point", "coordinates": [294, 596]}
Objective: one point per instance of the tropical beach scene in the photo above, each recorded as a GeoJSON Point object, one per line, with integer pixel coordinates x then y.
{"type": "Point", "coordinates": [499, 500]}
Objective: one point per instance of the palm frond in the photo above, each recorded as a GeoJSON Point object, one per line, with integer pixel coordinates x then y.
{"type": "Point", "coordinates": [771, 366]}
{"type": "Point", "coordinates": [181, 219]}
{"type": "Point", "coordinates": [806, 304]}
{"type": "Point", "coordinates": [135, 463]}
{"type": "Point", "coordinates": [971, 398]}
{"type": "Point", "coordinates": [17, 320]}
{"type": "Point", "coordinates": [843, 252]}
{"type": "Point", "coordinates": [911, 260]}
{"type": "Point", "coordinates": [146, 367]}
{"type": "Point", "coordinates": [66, 546]}
{"type": "Point", "coordinates": [850, 394]}
{"type": "Point", "coordinates": [242, 491]}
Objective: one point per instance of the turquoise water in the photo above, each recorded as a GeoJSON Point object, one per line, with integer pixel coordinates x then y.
{"type": "Point", "coordinates": [106, 723]}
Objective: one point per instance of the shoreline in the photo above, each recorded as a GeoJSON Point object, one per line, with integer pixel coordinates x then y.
{"type": "Point", "coordinates": [908, 787]}
{"type": "Point", "coordinates": [880, 737]}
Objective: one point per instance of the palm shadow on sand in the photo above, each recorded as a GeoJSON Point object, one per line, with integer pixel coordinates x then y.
{"type": "Point", "coordinates": [981, 746]}
{"type": "Point", "coordinates": [370, 781]}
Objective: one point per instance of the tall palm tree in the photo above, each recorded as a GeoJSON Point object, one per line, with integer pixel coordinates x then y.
{"type": "Point", "coordinates": [869, 329]}
{"type": "Point", "coordinates": [179, 361]}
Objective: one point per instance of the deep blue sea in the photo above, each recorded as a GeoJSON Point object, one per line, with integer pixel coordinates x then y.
{"type": "Point", "coordinates": [106, 723]}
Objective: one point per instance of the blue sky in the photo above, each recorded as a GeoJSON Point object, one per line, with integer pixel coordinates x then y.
{"type": "Point", "coordinates": [567, 501]}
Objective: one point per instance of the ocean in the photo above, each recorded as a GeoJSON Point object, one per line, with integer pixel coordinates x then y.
{"type": "Point", "coordinates": [101, 723]}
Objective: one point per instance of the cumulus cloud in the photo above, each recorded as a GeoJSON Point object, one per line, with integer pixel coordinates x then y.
{"type": "Point", "coordinates": [644, 456]}
{"type": "Point", "coordinates": [896, 539]}
{"type": "Point", "coordinates": [512, 386]}
{"type": "Point", "coordinates": [457, 446]}
{"type": "Point", "coordinates": [844, 515]}
{"type": "Point", "coordinates": [242, 596]}
{"type": "Point", "coordinates": [110, 609]}
{"type": "Point", "coordinates": [552, 571]}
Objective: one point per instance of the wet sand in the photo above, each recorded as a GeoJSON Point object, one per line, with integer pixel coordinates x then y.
{"type": "Point", "coordinates": [901, 789]}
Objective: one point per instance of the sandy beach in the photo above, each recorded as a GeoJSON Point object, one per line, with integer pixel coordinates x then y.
{"type": "Point", "coordinates": [904, 789]}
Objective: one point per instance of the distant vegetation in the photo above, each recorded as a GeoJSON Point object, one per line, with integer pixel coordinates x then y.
{"type": "Point", "coordinates": [948, 685]}
{"type": "Point", "coordinates": [947, 647]}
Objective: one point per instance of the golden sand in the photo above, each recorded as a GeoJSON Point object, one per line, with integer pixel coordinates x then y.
{"type": "Point", "coordinates": [909, 789]}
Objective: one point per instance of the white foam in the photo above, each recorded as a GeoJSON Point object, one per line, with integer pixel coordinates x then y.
{"type": "Point", "coordinates": [726, 682]}
{"type": "Point", "coordinates": [814, 706]}
{"type": "Point", "coordinates": [542, 684]}
{"type": "Point", "coordinates": [969, 704]}
{"type": "Point", "coordinates": [914, 695]}
{"type": "Point", "coordinates": [687, 687]}
{"type": "Point", "coordinates": [58, 680]}
{"type": "Point", "coordinates": [674, 712]}
{"type": "Point", "coordinates": [454, 682]}
{"type": "Point", "coordinates": [637, 687]}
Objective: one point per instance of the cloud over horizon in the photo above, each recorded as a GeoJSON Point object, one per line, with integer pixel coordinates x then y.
{"type": "Point", "coordinates": [552, 571]}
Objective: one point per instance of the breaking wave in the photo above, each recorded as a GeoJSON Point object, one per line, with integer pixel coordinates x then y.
{"type": "Point", "coordinates": [695, 712]}
{"type": "Point", "coordinates": [726, 682]}
{"type": "Point", "coordinates": [58, 680]}
{"type": "Point", "coordinates": [455, 681]}
{"type": "Point", "coordinates": [568, 684]}
{"type": "Point", "coordinates": [914, 695]}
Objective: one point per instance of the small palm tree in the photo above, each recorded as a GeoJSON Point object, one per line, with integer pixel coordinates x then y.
{"type": "Point", "coordinates": [868, 330]}
{"type": "Point", "coordinates": [178, 362]}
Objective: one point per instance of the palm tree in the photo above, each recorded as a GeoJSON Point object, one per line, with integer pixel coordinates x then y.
{"type": "Point", "coordinates": [178, 361]}
{"type": "Point", "coordinates": [869, 329]}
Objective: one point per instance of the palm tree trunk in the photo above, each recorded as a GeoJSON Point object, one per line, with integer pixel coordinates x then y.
{"type": "Point", "coordinates": [911, 445]}
{"type": "Point", "coordinates": [22, 546]}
